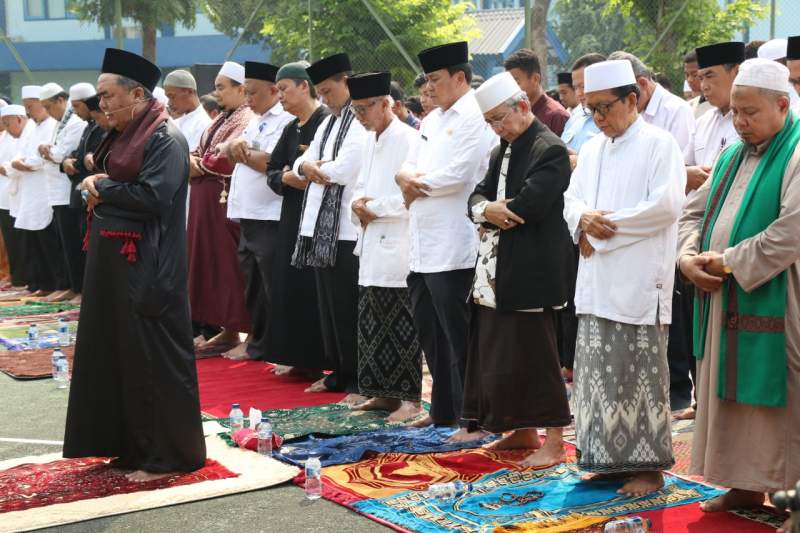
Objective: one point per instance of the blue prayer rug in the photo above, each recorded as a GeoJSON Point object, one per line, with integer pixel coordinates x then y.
{"type": "Point", "coordinates": [531, 496]}
{"type": "Point", "coordinates": [352, 448]}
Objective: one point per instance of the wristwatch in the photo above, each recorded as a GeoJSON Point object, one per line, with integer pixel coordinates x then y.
{"type": "Point", "coordinates": [725, 267]}
{"type": "Point", "coordinates": [300, 170]}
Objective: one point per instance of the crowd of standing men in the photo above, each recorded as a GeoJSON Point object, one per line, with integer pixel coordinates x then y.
{"type": "Point", "coordinates": [513, 242]}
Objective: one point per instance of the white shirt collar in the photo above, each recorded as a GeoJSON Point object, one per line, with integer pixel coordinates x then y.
{"type": "Point", "coordinates": [655, 101]}
{"type": "Point", "coordinates": [632, 130]}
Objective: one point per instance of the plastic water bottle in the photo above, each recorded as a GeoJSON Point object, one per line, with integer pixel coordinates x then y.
{"type": "Point", "coordinates": [33, 336]}
{"type": "Point", "coordinates": [313, 478]}
{"type": "Point", "coordinates": [633, 524]}
{"type": "Point", "coordinates": [60, 369]}
{"type": "Point", "coordinates": [63, 332]}
{"type": "Point", "coordinates": [236, 417]}
{"type": "Point", "coordinates": [265, 437]}
{"type": "Point", "coordinates": [448, 491]}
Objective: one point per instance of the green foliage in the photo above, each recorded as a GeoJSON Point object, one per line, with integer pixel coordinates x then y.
{"type": "Point", "coordinates": [154, 12]}
{"type": "Point", "coordinates": [697, 22]}
{"type": "Point", "coordinates": [583, 27]}
{"type": "Point", "coordinates": [347, 26]}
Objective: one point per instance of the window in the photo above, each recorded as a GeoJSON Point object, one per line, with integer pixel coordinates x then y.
{"type": "Point", "coordinates": [46, 10]}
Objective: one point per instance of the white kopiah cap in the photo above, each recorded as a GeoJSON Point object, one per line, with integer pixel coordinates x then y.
{"type": "Point", "coordinates": [13, 111]}
{"type": "Point", "coordinates": [495, 91]}
{"type": "Point", "coordinates": [81, 91]}
{"type": "Point", "coordinates": [686, 87]}
{"type": "Point", "coordinates": [607, 75]}
{"type": "Point", "coordinates": [233, 71]}
{"type": "Point", "coordinates": [773, 50]}
{"type": "Point", "coordinates": [160, 95]}
{"type": "Point", "coordinates": [182, 79]}
{"type": "Point", "coordinates": [49, 90]}
{"type": "Point", "coordinates": [31, 91]}
{"type": "Point", "coordinates": [764, 74]}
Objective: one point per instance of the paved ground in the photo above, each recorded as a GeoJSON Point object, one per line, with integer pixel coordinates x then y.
{"type": "Point", "coordinates": [36, 410]}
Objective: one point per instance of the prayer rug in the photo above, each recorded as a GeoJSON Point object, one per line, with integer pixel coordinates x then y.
{"type": "Point", "coordinates": [513, 496]}
{"type": "Point", "coordinates": [682, 450]}
{"type": "Point", "coordinates": [44, 491]}
{"type": "Point", "coordinates": [352, 448]}
{"type": "Point", "coordinates": [15, 337]}
{"type": "Point", "coordinates": [31, 364]}
{"type": "Point", "coordinates": [252, 384]}
{"type": "Point", "coordinates": [35, 308]}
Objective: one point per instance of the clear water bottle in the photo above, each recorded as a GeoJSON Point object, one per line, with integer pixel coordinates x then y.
{"type": "Point", "coordinates": [60, 369]}
{"type": "Point", "coordinates": [448, 491]}
{"type": "Point", "coordinates": [313, 478]}
{"type": "Point", "coordinates": [265, 437]}
{"type": "Point", "coordinates": [236, 418]}
{"type": "Point", "coordinates": [633, 524]}
{"type": "Point", "coordinates": [63, 332]}
{"type": "Point", "coordinates": [33, 336]}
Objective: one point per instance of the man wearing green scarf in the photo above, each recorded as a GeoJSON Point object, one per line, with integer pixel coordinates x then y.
{"type": "Point", "coordinates": [739, 246]}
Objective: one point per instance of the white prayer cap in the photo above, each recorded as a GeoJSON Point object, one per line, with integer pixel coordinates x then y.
{"type": "Point", "coordinates": [181, 79]}
{"type": "Point", "coordinates": [13, 111]}
{"type": "Point", "coordinates": [3, 103]}
{"type": "Point", "coordinates": [49, 90]}
{"type": "Point", "coordinates": [607, 75]}
{"type": "Point", "coordinates": [81, 91]}
{"type": "Point", "coordinates": [764, 74]}
{"type": "Point", "coordinates": [160, 95]}
{"type": "Point", "coordinates": [31, 91]}
{"type": "Point", "coordinates": [686, 87]}
{"type": "Point", "coordinates": [773, 50]}
{"type": "Point", "coordinates": [233, 71]}
{"type": "Point", "coordinates": [495, 91]}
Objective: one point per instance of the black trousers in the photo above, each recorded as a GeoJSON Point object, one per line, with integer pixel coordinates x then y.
{"type": "Point", "coordinates": [679, 350]}
{"type": "Point", "coordinates": [45, 258]}
{"type": "Point", "coordinates": [15, 247]}
{"type": "Point", "coordinates": [258, 241]}
{"type": "Point", "coordinates": [441, 316]}
{"type": "Point", "coordinates": [68, 223]}
{"type": "Point", "coordinates": [567, 322]}
{"type": "Point", "coordinates": [338, 310]}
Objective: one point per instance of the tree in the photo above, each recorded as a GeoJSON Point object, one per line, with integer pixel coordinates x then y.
{"type": "Point", "coordinates": [582, 26]}
{"type": "Point", "coordinates": [149, 14]}
{"type": "Point", "coordinates": [538, 31]}
{"type": "Point", "coordinates": [661, 31]}
{"type": "Point", "coordinates": [294, 31]}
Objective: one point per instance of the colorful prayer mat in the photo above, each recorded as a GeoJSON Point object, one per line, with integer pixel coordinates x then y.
{"type": "Point", "coordinates": [531, 496]}
{"type": "Point", "coordinates": [352, 448]}
{"type": "Point", "coordinates": [682, 450]}
{"type": "Point", "coordinates": [43, 491]}
{"type": "Point", "coordinates": [35, 308]}
{"type": "Point", "coordinates": [31, 364]}
{"type": "Point", "coordinates": [15, 338]}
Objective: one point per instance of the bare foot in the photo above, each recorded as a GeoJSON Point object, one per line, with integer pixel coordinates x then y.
{"type": "Point", "coordinates": [237, 354]}
{"type": "Point", "coordinates": [199, 341]}
{"type": "Point", "coordinates": [406, 411]}
{"type": "Point", "coordinates": [140, 476]}
{"type": "Point", "coordinates": [281, 370]}
{"type": "Point", "coordinates": [786, 527]}
{"type": "Point", "coordinates": [423, 422]}
{"type": "Point", "coordinates": [642, 483]}
{"type": "Point", "coordinates": [62, 296]}
{"type": "Point", "coordinates": [594, 476]}
{"type": "Point", "coordinates": [522, 439]}
{"type": "Point", "coordinates": [733, 499]}
{"type": "Point", "coordinates": [464, 435]}
{"type": "Point", "coordinates": [77, 300]}
{"type": "Point", "coordinates": [378, 404]}
{"type": "Point", "coordinates": [224, 338]}
{"type": "Point", "coordinates": [547, 455]}
{"type": "Point", "coordinates": [353, 399]}
{"type": "Point", "coordinates": [317, 386]}
{"type": "Point", "coordinates": [686, 414]}
{"type": "Point", "coordinates": [40, 293]}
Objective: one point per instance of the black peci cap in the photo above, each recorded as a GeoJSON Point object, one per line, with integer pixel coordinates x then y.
{"type": "Point", "coordinates": [93, 103]}
{"type": "Point", "coordinates": [565, 78]}
{"type": "Point", "coordinates": [260, 71]}
{"type": "Point", "coordinates": [720, 54]}
{"type": "Point", "coordinates": [131, 66]}
{"type": "Point", "coordinates": [369, 84]}
{"type": "Point", "coordinates": [328, 67]}
{"type": "Point", "coordinates": [444, 56]}
{"type": "Point", "coordinates": [793, 48]}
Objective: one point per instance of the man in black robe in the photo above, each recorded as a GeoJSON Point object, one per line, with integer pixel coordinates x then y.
{"type": "Point", "coordinates": [134, 390]}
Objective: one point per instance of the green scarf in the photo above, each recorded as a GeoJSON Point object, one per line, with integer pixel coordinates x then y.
{"type": "Point", "coordinates": [753, 366]}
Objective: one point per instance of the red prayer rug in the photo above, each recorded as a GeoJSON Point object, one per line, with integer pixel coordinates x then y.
{"type": "Point", "coordinates": [252, 384]}
{"type": "Point", "coordinates": [31, 364]}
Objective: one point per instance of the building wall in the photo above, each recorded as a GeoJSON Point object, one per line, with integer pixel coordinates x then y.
{"type": "Point", "coordinates": [21, 30]}
{"type": "Point", "coordinates": [65, 78]}
{"type": "Point", "coordinates": [787, 21]}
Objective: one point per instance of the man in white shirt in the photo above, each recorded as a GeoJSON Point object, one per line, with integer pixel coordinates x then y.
{"type": "Point", "coordinates": [31, 209]}
{"type": "Point", "coordinates": [657, 105]}
{"type": "Point", "coordinates": [436, 181]}
{"type": "Point", "coordinates": [622, 208]}
{"type": "Point", "coordinates": [12, 128]}
{"type": "Point", "coordinates": [793, 61]}
{"type": "Point", "coordinates": [252, 202]}
{"type": "Point", "coordinates": [327, 235]}
{"type": "Point", "coordinates": [566, 92]}
{"type": "Point", "coordinates": [68, 220]}
{"type": "Point", "coordinates": [389, 355]}
{"type": "Point", "coordinates": [181, 90]}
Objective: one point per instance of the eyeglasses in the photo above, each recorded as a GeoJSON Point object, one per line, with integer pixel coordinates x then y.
{"type": "Point", "coordinates": [361, 109]}
{"type": "Point", "coordinates": [495, 124]}
{"type": "Point", "coordinates": [603, 109]}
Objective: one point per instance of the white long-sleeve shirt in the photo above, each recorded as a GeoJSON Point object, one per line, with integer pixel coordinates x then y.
{"type": "Point", "coordinates": [12, 176]}
{"type": "Point", "coordinates": [453, 154]}
{"type": "Point", "coordinates": [8, 147]}
{"type": "Point", "coordinates": [343, 171]}
{"type": "Point", "coordinates": [192, 125]}
{"type": "Point", "coordinates": [63, 144]}
{"type": "Point", "coordinates": [383, 246]}
{"type": "Point", "coordinates": [640, 178]}
{"type": "Point", "coordinates": [714, 132]}
{"type": "Point", "coordinates": [31, 208]}
{"type": "Point", "coordinates": [250, 197]}
{"type": "Point", "coordinates": [670, 113]}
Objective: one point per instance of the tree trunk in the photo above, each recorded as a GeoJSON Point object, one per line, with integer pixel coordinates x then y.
{"type": "Point", "coordinates": [149, 41]}
{"type": "Point", "coordinates": [538, 33]}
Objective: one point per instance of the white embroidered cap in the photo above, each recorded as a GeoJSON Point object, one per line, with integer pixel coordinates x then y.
{"type": "Point", "coordinates": [49, 90]}
{"type": "Point", "coordinates": [13, 111]}
{"type": "Point", "coordinates": [495, 91]}
{"type": "Point", "coordinates": [81, 91]}
{"type": "Point", "coordinates": [773, 50]}
{"type": "Point", "coordinates": [607, 75]}
{"type": "Point", "coordinates": [31, 91]}
{"type": "Point", "coordinates": [764, 74]}
{"type": "Point", "coordinates": [233, 71]}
